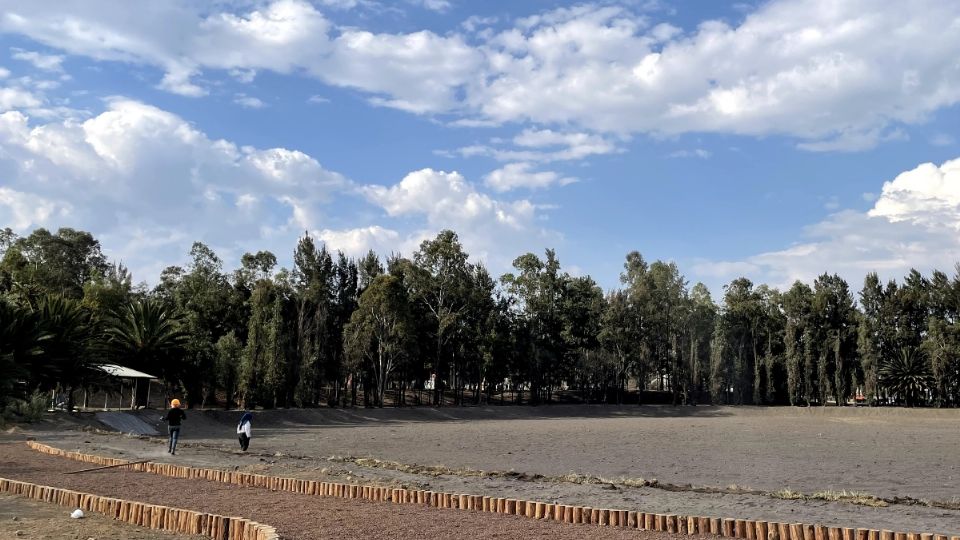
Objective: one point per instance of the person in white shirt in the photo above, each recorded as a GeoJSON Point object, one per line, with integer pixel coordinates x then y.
{"type": "Point", "coordinates": [243, 430]}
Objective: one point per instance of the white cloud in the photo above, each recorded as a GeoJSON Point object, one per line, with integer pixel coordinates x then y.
{"type": "Point", "coordinates": [357, 242]}
{"type": "Point", "coordinates": [248, 102]}
{"type": "Point", "coordinates": [136, 172]}
{"type": "Point", "coordinates": [799, 68]}
{"type": "Point", "coordinates": [520, 175]}
{"type": "Point", "coordinates": [433, 5]}
{"type": "Point", "coordinates": [542, 146]}
{"type": "Point", "coordinates": [418, 72]}
{"type": "Point", "coordinates": [695, 153]}
{"type": "Point", "coordinates": [45, 62]}
{"type": "Point", "coordinates": [23, 210]}
{"type": "Point", "coordinates": [835, 76]}
{"type": "Point", "coordinates": [927, 195]}
{"type": "Point", "coordinates": [15, 98]}
{"type": "Point", "coordinates": [913, 224]}
{"type": "Point", "coordinates": [317, 99]}
{"type": "Point", "coordinates": [492, 230]}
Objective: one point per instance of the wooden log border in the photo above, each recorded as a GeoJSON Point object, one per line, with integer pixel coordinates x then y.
{"type": "Point", "coordinates": [151, 516]}
{"type": "Point", "coordinates": [634, 519]}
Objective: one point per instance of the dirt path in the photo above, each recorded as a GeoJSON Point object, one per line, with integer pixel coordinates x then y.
{"type": "Point", "coordinates": [32, 520]}
{"type": "Point", "coordinates": [296, 516]}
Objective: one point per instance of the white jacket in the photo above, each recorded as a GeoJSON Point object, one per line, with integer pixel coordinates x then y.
{"type": "Point", "coordinates": [244, 428]}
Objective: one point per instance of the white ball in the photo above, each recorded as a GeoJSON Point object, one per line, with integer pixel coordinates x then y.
{"type": "Point", "coordinates": [77, 514]}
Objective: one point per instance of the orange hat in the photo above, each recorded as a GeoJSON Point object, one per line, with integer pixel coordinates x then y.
{"type": "Point", "coordinates": [175, 403]}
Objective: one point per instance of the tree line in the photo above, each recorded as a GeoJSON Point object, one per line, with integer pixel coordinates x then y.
{"type": "Point", "coordinates": [436, 327]}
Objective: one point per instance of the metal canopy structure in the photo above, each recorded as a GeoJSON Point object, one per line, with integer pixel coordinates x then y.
{"type": "Point", "coordinates": [123, 372]}
{"type": "Point", "coordinates": [140, 382]}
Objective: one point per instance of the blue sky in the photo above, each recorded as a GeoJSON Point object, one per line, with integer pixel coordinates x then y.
{"type": "Point", "coordinates": [775, 140]}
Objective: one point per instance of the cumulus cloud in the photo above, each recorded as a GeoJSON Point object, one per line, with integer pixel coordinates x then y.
{"type": "Point", "coordinates": [913, 224]}
{"type": "Point", "coordinates": [520, 175]}
{"type": "Point", "coordinates": [357, 242]}
{"type": "Point", "coordinates": [419, 71]}
{"type": "Point", "coordinates": [135, 172]}
{"type": "Point", "coordinates": [491, 229]}
{"type": "Point", "coordinates": [21, 210]}
{"type": "Point", "coordinates": [800, 68]}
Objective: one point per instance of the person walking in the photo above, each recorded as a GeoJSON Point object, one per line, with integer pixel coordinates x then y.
{"type": "Point", "coordinates": [174, 417]}
{"type": "Point", "coordinates": [243, 430]}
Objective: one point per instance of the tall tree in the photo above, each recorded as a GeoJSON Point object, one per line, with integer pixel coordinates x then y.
{"type": "Point", "coordinates": [538, 286]}
{"type": "Point", "coordinates": [379, 331]}
{"type": "Point", "coordinates": [59, 264]}
{"type": "Point", "coordinates": [439, 279]}
{"type": "Point", "coordinates": [797, 310]}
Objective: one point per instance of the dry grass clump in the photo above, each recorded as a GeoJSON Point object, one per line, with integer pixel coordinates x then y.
{"type": "Point", "coordinates": [852, 497]}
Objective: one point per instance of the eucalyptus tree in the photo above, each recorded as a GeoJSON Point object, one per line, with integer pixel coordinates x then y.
{"type": "Point", "coordinates": [538, 287]}
{"type": "Point", "coordinates": [203, 298]}
{"type": "Point", "coordinates": [618, 337]}
{"type": "Point", "coordinates": [582, 309]}
{"type": "Point", "coordinates": [379, 333]}
{"type": "Point", "coordinates": [698, 326]}
{"type": "Point", "coordinates": [741, 316]}
{"type": "Point", "coordinates": [345, 296]}
{"type": "Point", "coordinates": [58, 264]}
{"type": "Point", "coordinates": [665, 311]}
{"type": "Point", "coordinates": [229, 355]}
{"type": "Point", "coordinates": [313, 291]}
{"type": "Point", "coordinates": [797, 311]}
{"type": "Point", "coordinates": [439, 279]}
{"type": "Point", "coordinates": [836, 318]}
{"type": "Point", "coordinates": [872, 346]}
{"type": "Point", "coordinates": [638, 299]}
{"type": "Point", "coordinates": [256, 351]}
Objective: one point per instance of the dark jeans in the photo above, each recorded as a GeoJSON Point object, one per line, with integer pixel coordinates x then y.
{"type": "Point", "coordinates": [174, 436]}
{"type": "Point", "coordinates": [244, 441]}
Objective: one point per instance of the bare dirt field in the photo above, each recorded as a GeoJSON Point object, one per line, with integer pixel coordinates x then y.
{"type": "Point", "coordinates": [31, 520]}
{"type": "Point", "coordinates": [909, 459]}
{"type": "Point", "coordinates": [296, 517]}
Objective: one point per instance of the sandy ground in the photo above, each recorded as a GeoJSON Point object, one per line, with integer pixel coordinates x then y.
{"type": "Point", "coordinates": [32, 520]}
{"type": "Point", "coordinates": [884, 452]}
{"type": "Point", "coordinates": [298, 517]}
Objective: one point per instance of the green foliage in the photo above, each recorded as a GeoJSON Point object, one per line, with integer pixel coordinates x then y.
{"type": "Point", "coordinates": [906, 377]}
{"type": "Point", "coordinates": [148, 336]}
{"type": "Point", "coordinates": [29, 409]}
{"type": "Point", "coordinates": [331, 326]}
{"type": "Point", "coordinates": [380, 330]}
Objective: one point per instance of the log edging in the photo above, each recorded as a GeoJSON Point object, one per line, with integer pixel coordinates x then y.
{"type": "Point", "coordinates": [635, 519]}
{"type": "Point", "coordinates": [151, 516]}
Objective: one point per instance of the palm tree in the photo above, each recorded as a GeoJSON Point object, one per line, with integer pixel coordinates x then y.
{"type": "Point", "coordinates": [68, 353]}
{"type": "Point", "coordinates": [146, 335]}
{"type": "Point", "coordinates": [906, 376]}
{"type": "Point", "coordinates": [21, 341]}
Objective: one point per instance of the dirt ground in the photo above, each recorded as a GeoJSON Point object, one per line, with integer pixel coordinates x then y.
{"type": "Point", "coordinates": [32, 520]}
{"type": "Point", "coordinates": [297, 517]}
{"type": "Point", "coordinates": [889, 453]}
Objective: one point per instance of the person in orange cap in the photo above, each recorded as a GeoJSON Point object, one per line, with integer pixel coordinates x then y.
{"type": "Point", "coordinates": [174, 417]}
